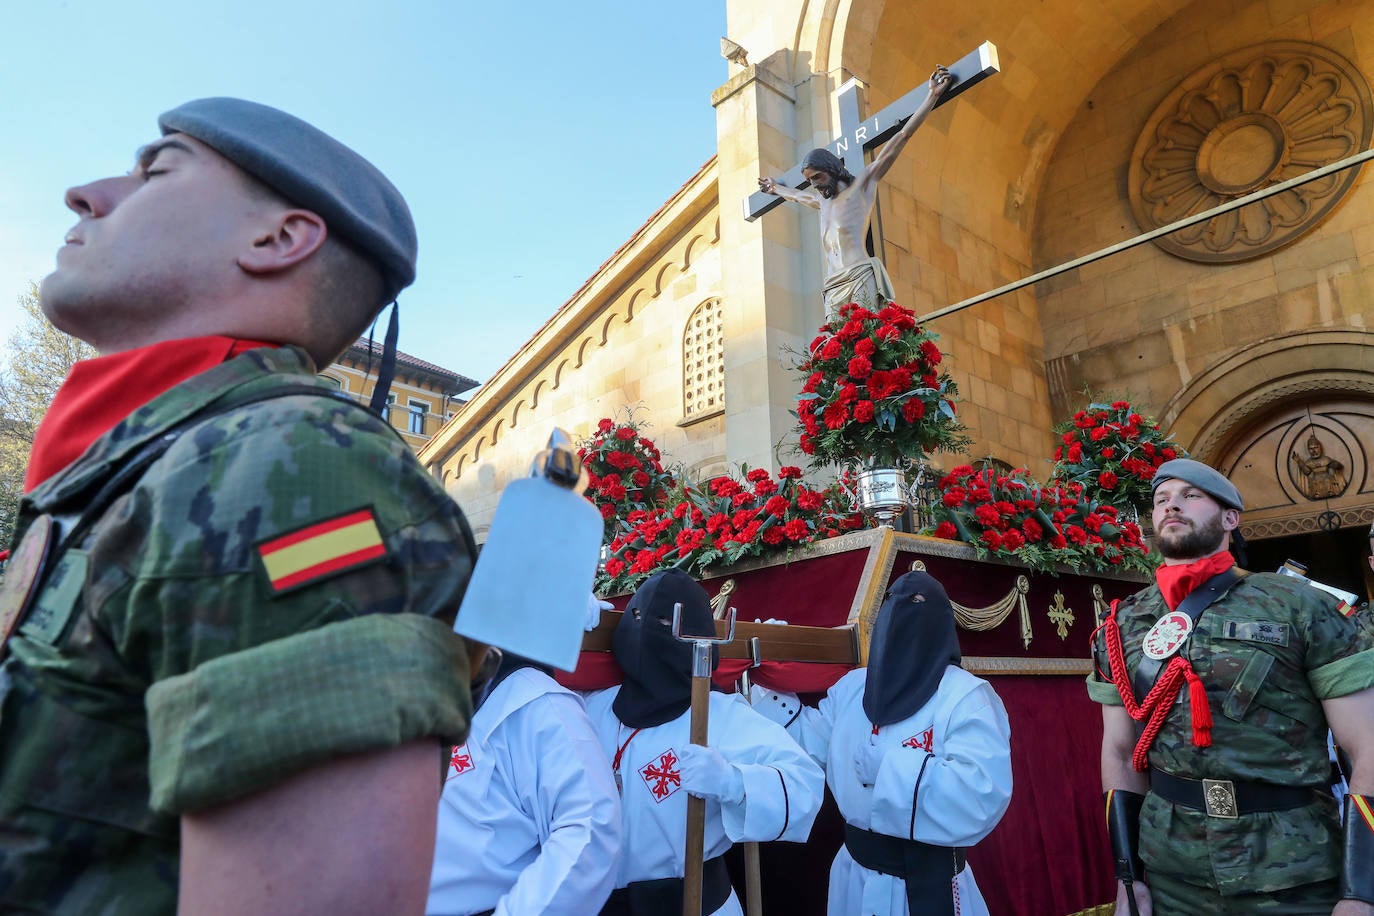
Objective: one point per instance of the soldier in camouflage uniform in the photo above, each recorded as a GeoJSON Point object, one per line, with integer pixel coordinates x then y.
{"type": "Point", "coordinates": [1238, 818]}
{"type": "Point", "coordinates": [227, 688]}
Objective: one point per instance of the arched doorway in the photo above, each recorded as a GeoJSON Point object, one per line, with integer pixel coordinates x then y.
{"type": "Point", "coordinates": [1303, 468]}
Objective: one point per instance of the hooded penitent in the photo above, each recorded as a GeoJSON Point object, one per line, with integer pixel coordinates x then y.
{"type": "Point", "coordinates": [657, 684]}
{"type": "Point", "coordinates": [913, 642]}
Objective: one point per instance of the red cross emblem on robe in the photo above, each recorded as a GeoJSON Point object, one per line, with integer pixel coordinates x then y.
{"type": "Point", "coordinates": [662, 776]}
{"type": "Point", "coordinates": [461, 761]}
{"type": "Point", "coordinates": [925, 741]}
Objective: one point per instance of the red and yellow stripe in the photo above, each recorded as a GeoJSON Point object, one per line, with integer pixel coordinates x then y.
{"type": "Point", "coordinates": [322, 549]}
{"type": "Point", "coordinates": [1361, 803]}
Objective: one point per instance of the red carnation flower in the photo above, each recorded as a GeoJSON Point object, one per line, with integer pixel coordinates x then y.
{"type": "Point", "coordinates": [913, 410]}
{"type": "Point", "coordinates": [863, 411]}
{"type": "Point", "coordinates": [947, 531]}
{"type": "Point", "coordinates": [604, 425]}
{"type": "Point", "coordinates": [860, 367]}
{"type": "Point", "coordinates": [626, 434]}
{"type": "Point", "coordinates": [1106, 480]}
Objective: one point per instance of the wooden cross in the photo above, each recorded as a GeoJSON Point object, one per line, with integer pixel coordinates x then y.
{"type": "Point", "coordinates": [858, 135]}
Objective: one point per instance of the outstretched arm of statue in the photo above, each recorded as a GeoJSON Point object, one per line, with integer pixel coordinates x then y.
{"type": "Point", "coordinates": [940, 80]}
{"type": "Point", "coordinates": [806, 198]}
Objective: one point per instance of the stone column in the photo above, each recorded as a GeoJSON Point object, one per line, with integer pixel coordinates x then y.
{"type": "Point", "coordinates": [770, 268]}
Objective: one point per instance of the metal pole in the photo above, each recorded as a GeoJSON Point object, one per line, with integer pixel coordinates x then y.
{"type": "Point", "coordinates": [1184, 223]}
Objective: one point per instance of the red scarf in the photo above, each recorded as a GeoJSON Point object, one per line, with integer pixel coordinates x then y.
{"type": "Point", "coordinates": [99, 393]}
{"type": "Point", "coordinates": [1177, 582]}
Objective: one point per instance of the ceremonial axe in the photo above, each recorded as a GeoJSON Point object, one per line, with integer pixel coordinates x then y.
{"type": "Point", "coordinates": [528, 593]}
{"type": "Point", "coordinates": [701, 710]}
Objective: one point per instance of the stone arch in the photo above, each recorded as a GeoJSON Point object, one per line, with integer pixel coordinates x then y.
{"type": "Point", "coordinates": [659, 282]}
{"type": "Point", "coordinates": [497, 428]}
{"type": "Point", "coordinates": [558, 373]}
{"type": "Point", "coordinates": [606, 328]}
{"type": "Point", "coordinates": [515, 413]}
{"type": "Point", "coordinates": [1240, 388]}
{"type": "Point", "coordinates": [637, 300]}
{"type": "Point", "coordinates": [583, 347]}
{"type": "Point", "coordinates": [694, 244]}
{"type": "Point", "coordinates": [538, 392]}
{"type": "Point", "coordinates": [477, 448]}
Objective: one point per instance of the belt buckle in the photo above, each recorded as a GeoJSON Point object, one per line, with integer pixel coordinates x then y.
{"type": "Point", "coordinates": [1219, 795]}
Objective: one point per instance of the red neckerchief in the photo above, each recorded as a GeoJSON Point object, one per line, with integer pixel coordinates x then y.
{"type": "Point", "coordinates": [1177, 582]}
{"type": "Point", "coordinates": [99, 393]}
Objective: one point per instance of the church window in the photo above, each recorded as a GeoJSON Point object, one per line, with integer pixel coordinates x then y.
{"type": "Point", "coordinates": [703, 361]}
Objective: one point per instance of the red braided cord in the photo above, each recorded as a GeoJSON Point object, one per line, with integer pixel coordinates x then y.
{"type": "Point", "coordinates": [1157, 702]}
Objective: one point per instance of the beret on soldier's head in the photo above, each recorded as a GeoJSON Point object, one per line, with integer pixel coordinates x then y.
{"type": "Point", "coordinates": [1208, 480]}
{"type": "Point", "coordinates": [312, 170]}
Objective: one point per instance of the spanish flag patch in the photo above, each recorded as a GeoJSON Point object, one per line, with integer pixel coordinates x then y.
{"type": "Point", "coordinates": [321, 550]}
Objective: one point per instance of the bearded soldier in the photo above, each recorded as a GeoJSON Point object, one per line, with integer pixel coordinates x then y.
{"type": "Point", "coordinates": [1218, 687]}
{"type": "Point", "coordinates": [845, 202]}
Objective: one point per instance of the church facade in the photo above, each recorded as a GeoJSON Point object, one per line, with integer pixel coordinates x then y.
{"type": "Point", "coordinates": [1246, 336]}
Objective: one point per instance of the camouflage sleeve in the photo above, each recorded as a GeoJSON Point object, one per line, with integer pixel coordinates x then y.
{"type": "Point", "coordinates": [262, 525]}
{"type": "Point", "coordinates": [352, 686]}
{"type": "Point", "coordinates": [1100, 687]}
{"type": "Point", "coordinates": [1338, 650]}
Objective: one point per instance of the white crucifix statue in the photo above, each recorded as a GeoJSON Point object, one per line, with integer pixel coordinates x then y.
{"type": "Point", "coordinates": [836, 180]}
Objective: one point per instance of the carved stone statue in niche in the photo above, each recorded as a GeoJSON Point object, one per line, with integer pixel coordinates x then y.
{"type": "Point", "coordinates": [1319, 476]}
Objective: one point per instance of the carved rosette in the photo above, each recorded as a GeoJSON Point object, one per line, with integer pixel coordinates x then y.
{"type": "Point", "coordinates": [1250, 119]}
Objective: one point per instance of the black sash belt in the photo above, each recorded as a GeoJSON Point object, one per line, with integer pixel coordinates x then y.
{"type": "Point", "coordinates": [1227, 797]}
{"type": "Point", "coordinates": [928, 870]}
{"type": "Point", "coordinates": [664, 895]}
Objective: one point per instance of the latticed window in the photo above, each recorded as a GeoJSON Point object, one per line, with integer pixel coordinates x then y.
{"type": "Point", "coordinates": [703, 361]}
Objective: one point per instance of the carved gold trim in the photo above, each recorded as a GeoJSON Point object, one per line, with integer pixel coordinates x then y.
{"type": "Point", "coordinates": [986, 618]}
{"type": "Point", "coordinates": [1100, 606]}
{"type": "Point", "coordinates": [722, 599]}
{"type": "Point", "coordinates": [983, 665]}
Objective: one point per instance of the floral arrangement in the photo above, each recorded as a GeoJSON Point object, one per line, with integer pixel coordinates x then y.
{"type": "Point", "coordinates": [727, 520]}
{"type": "Point", "coordinates": [624, 469]}
{"type": "Point", "coordinates": [1112, 452]}
{"type": "Point", "coordinates": [1010, 515]}
{"type": "Point", "coordinates": [874, 392]}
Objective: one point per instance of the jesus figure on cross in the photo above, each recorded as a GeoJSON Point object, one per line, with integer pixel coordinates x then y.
{"type": "Point", "coordinates": [845, 202]}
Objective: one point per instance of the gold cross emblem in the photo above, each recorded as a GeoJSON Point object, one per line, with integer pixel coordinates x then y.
{"type": "Point", "coordinates": [1061, 615]}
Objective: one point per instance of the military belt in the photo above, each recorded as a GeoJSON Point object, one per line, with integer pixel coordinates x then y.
{"type": "Point", "coordinates": [1230, 798]}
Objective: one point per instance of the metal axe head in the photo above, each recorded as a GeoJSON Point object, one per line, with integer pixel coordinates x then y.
{"type": "Point", "coordinates": [701, 655]}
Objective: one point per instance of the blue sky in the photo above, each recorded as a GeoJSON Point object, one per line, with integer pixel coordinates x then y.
{"type": "Point", "coordinates": [530, 139]}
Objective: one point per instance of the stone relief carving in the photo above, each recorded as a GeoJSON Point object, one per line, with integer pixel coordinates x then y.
{"type": "Point", "coordinates": [1317, 475]}
{"type": "Point", "coordinates": [1252, 118]}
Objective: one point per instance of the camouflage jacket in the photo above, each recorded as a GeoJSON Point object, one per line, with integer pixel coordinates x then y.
{"type": "Point", "coordinates": [277, 589]}
{"type": "Point", "coordinates": [1268, 653]}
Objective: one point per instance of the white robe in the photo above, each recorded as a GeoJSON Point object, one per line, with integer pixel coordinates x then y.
{"type": "Point", "coordinates": [529, 820]}
{"type": "Point", "coordinates": [783, 787]}
{"type": "Point", "coordinates": [963, 793]}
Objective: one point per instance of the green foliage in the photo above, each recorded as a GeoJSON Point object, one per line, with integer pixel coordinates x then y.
{"type": "Point", "coordinates": [36, 362]}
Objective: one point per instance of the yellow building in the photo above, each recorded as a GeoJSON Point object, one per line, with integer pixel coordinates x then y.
{"type": "Point", "coordinates": [1247, 337]}
{"type": "Point", "coordinates": [423, 396]}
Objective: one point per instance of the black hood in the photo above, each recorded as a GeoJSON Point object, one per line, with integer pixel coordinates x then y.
{"type": "Point", "coordinates": [913, 642]}
{"type": "Point", "coordinates": [657, 686]}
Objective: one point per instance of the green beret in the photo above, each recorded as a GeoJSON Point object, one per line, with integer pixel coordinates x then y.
{"type": "Point", "coordinates": [311, 170]}
{"type": "Point", "coordinates": [1206, 479]}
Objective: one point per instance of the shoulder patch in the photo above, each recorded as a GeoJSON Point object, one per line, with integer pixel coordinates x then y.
{"type": "Point", "coordinates": [321, 550]}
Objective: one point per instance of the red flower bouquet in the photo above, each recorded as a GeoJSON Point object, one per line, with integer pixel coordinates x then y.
{"type": "Point", "coordinates": [1043, 526]}
{"type": "Point", "coordinates": [725, 521]}
{"type": "Point", "coordinates": [624, 469]}
{"type": "Point", "coordinates": [1112, 452]}
{"type": "Point", "coordinates": [874, 392]}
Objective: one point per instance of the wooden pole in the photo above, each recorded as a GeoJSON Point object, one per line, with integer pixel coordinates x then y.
{"type": "Point", "coordinates": [701, 710]}
{"type": "Point", "coordinates": [696, 806]}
